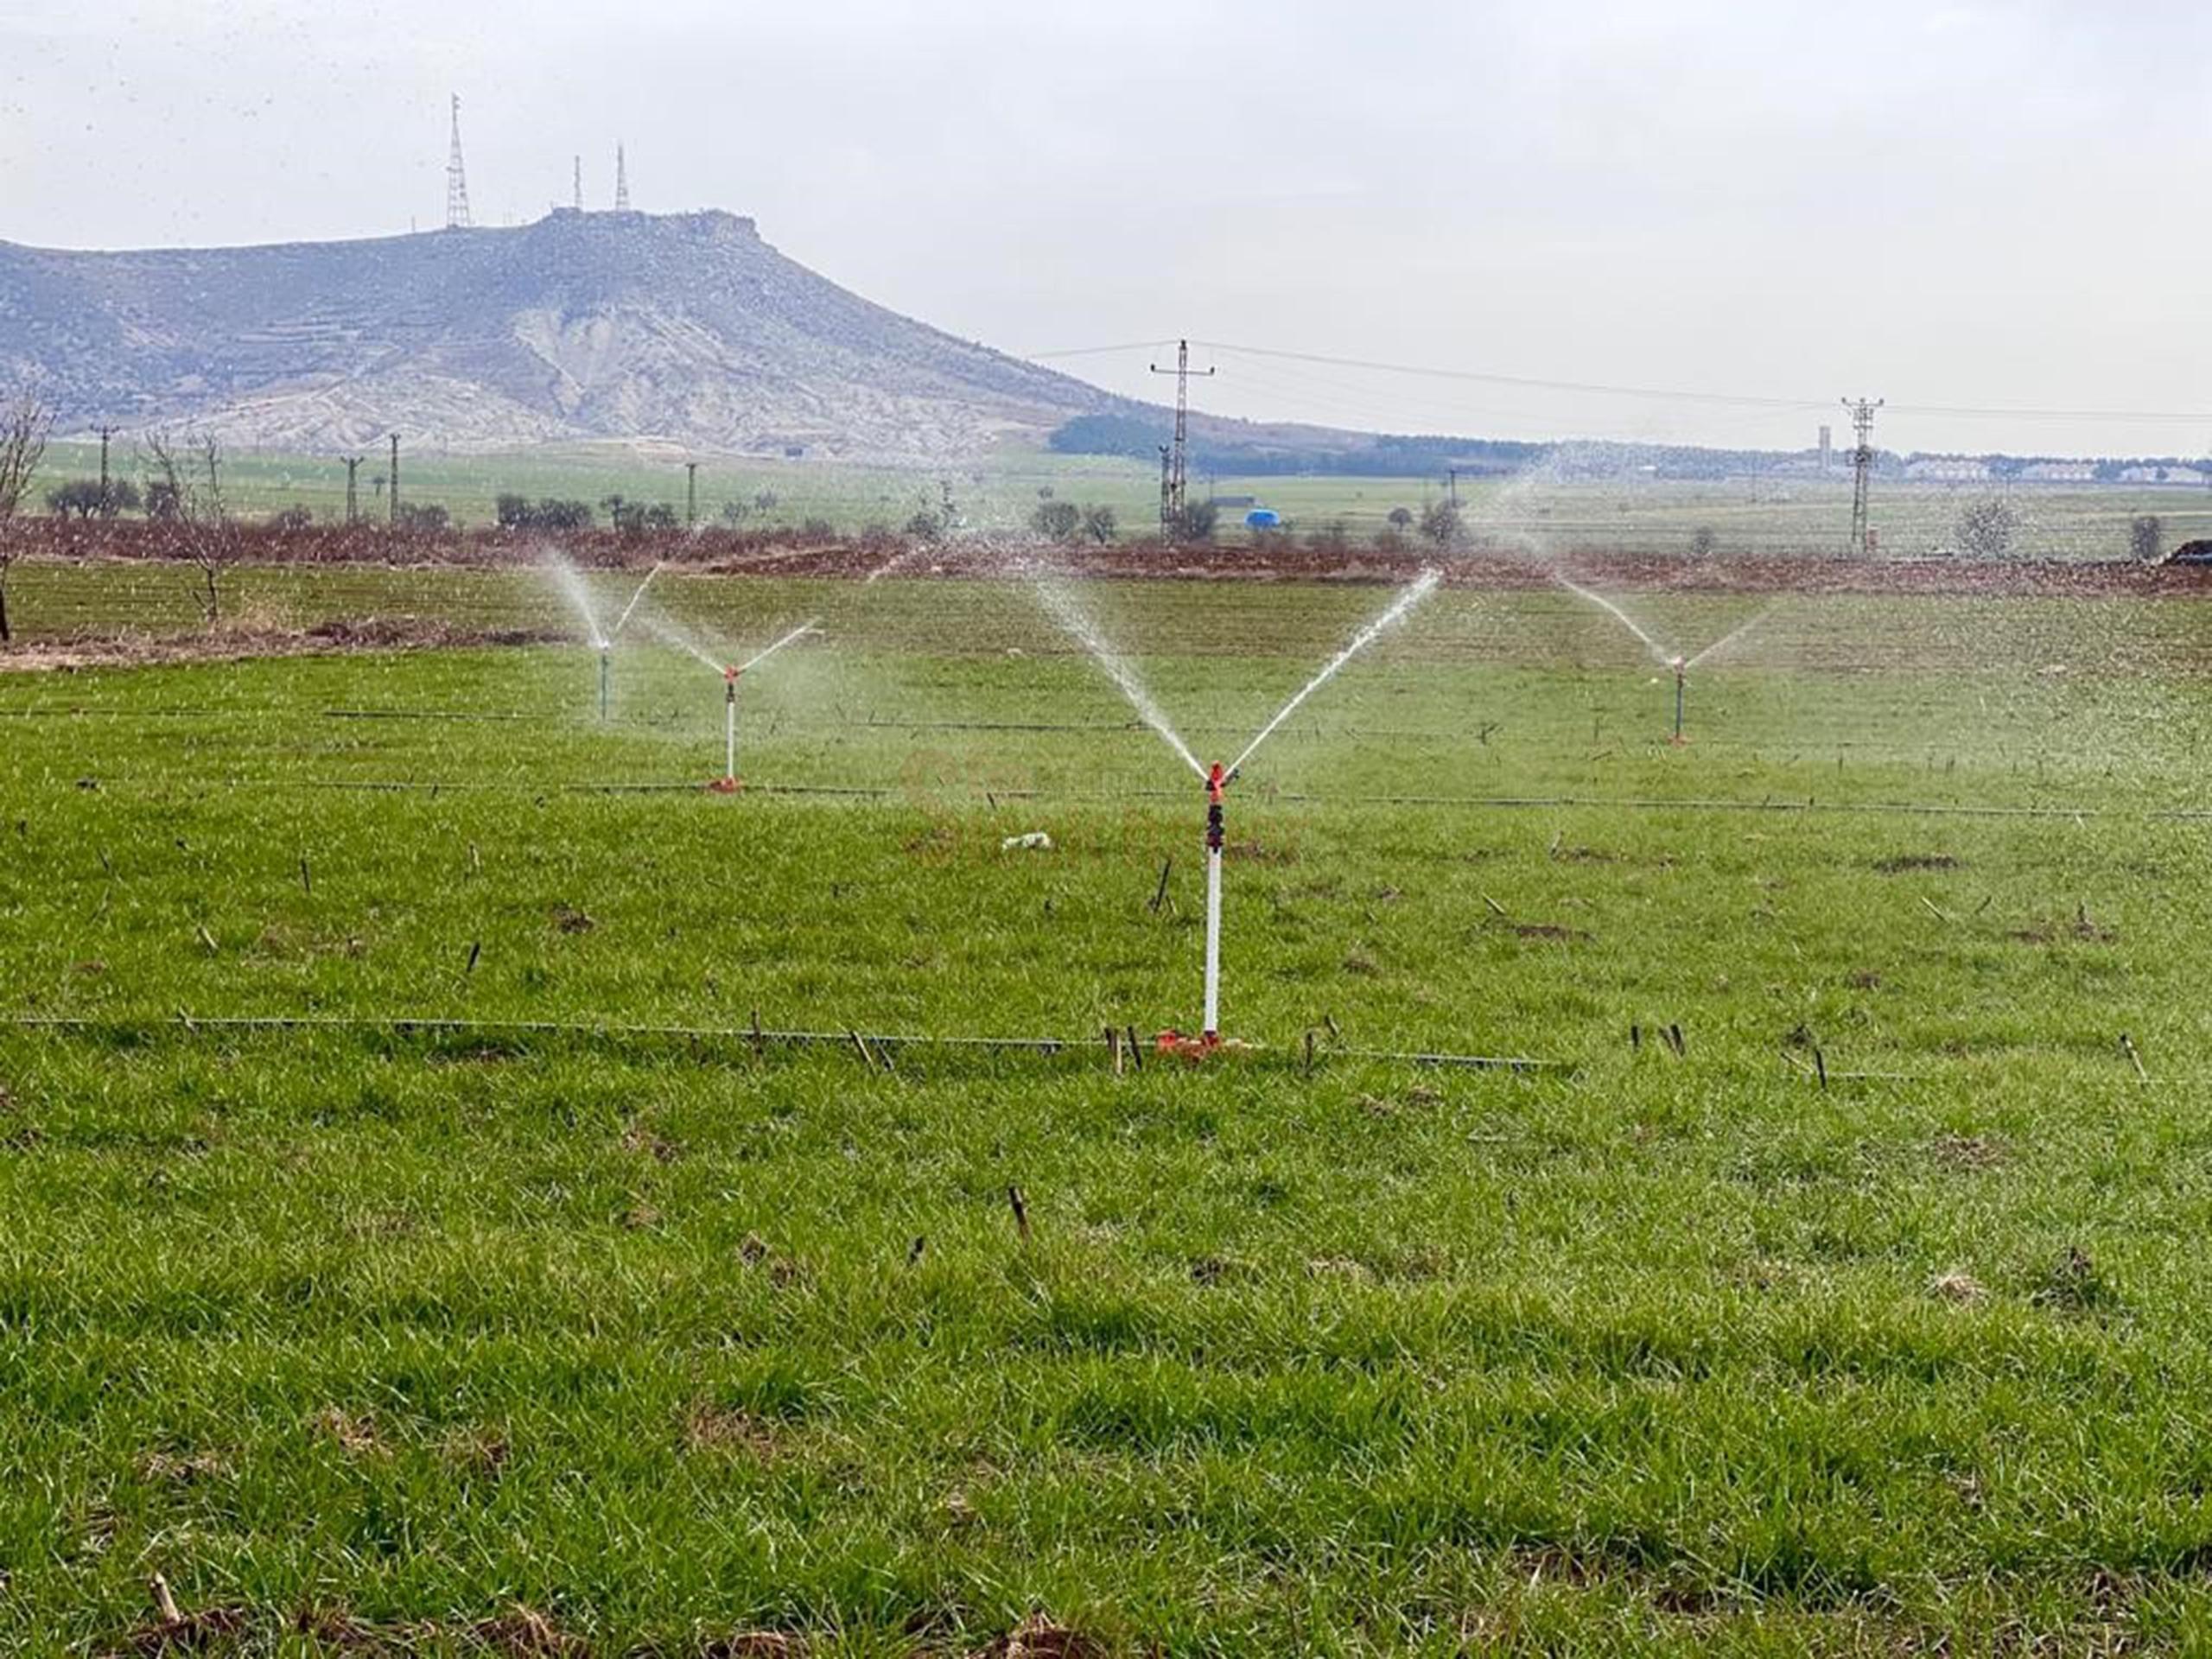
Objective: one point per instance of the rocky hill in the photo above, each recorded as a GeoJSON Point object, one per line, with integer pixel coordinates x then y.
{"type": "Point", "coordinates": [686, 328]}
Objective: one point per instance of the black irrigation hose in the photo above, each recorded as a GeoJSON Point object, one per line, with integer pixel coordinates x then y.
{"type": "Point", "coordinates": [867, 1043]}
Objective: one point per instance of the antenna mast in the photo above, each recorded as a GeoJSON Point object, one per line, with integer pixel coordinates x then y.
{"type": "Point", "coordinates": [1862, 470]}
{"type": "Point", "coordinates": [1174, 485]}
{"type": "Point", "coordinates": [621, 182]}
{"type": "Point", "coordinates": [456, 178]}
{"type": "Point", "coordinates": [580, 184]}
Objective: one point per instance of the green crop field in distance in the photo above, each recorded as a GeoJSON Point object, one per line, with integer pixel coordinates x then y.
{"type": "Point", "coordinates": [580, 1316]}
{"type": "Point", "coordinates": [1735, 517]}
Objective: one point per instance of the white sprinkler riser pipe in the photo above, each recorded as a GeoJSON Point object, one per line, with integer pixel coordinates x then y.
{"type": "Point", "coordinates": [729, 731]}
{"type": "Point", "coordinates": [1213, 942]}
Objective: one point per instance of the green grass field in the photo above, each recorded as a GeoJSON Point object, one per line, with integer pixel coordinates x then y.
{"type": "Point", "coordinates": [585, 1320]}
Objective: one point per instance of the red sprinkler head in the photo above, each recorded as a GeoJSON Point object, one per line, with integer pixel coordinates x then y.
{"type": "Point", "coordinates": [1215, 783]}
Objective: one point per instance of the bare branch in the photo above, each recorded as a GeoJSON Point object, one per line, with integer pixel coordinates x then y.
{"type": "Point", "coordinates": [25, 425]}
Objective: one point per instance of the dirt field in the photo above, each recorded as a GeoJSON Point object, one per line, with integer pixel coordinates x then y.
{"type": "Point", "coordinates": [721, 552]}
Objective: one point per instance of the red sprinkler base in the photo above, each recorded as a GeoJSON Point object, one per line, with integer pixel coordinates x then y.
{"type": "Point", "coordinates": [726, 786]}
{"type": "Point", "coordinates": [1203, 1046]}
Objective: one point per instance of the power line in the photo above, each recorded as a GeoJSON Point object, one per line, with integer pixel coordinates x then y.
{"type": "Point", "coordinates": [1101, 351]}
{"type": "Point", "coordinates": [1534, 382]}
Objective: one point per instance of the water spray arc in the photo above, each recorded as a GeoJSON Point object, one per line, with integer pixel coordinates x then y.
{"type": "Point", "coordinates": [570, 583]}
{"type": "Point", "coordinates": [622, 621]}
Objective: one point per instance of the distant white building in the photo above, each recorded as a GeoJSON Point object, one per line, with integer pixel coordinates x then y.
{"type": "Point", "coordinates": [1947, 469]}
{"type": "Point", "coordinates": [2181, 475]}
{"type": "Point", "coordinates": [2059, 472]}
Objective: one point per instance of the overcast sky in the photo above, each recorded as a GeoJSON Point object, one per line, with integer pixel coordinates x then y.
{"type": "Point", "coordinates": [1982, 206]}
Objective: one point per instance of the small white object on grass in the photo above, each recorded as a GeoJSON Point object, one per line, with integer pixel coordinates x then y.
{"type": "Point", "coordinates": [1035, 840]}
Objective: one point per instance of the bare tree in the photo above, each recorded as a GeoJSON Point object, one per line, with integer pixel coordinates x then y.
{"type": "Point", "coordinates": [1987, 529]}
{"type": "Point", "coordinates": [2146, 537]}
{"type": "Point", "coordinates": [24, 426]}
{"type": "Point", "coordinates": [188, 474]}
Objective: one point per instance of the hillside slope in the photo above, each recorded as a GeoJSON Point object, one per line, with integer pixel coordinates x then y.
{"type": "Point", "coordinates": [687, 328]}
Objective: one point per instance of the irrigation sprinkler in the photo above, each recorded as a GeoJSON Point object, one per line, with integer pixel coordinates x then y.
{"type": "Point", "coordinates": [605, 653]}
{"type": "Point", "coordinates": [727, 784]}
{"type": "Point", "coordinates": [1208, 1041]}
{"type": "Point", "coordinates": [1076, 623]}
{"type": "Point", "coordinates": [1681, 673]}
{"type": "Point", "coordinates": [1216, 783]}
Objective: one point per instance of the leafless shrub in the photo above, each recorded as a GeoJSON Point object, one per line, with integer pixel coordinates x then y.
{"type": "Point", "coordinates": [188, 478]}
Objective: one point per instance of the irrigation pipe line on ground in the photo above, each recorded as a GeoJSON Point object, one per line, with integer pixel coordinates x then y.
{"type": "Point", "coordinates": [874, 1047]}
{"type": "Point", "coordinates": [873, 723]}
{"type": "Point", "coordinates": [1293, 798]}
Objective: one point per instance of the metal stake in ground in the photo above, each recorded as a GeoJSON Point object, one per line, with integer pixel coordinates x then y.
{"type": "Point", "coordinates": [1681, 673]}
{"type": "Point", "coordinates": [604, 653]}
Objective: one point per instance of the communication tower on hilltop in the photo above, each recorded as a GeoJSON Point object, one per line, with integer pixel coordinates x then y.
{"type": "Point", "coordinates": [580, 184]}
{"type": "Point", "coordinates": [456, 178]}
{"type": "Point", "coordinates": [1862, 469]}
{"type": "Point", "coordinates": [1175, 472]}
{"type": "Point", "coordinates": [621, 182]}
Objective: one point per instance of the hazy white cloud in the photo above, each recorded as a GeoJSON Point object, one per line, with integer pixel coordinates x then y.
{"type": "Point", "coordinates": [1978, 204]}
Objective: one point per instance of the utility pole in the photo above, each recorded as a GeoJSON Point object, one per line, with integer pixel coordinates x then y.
{"type": "Point", "coordinates": [621, 182]}
{"type": "Point", "coordinates": [456, 177]}
{"type": "Point", "coordinates": [1173, 506]}
{"type": "Point", "coordinates": [1451, 483]}
{"type": "Point", "coordinates": [580, 184]}
{"type": "Point", "coordinates": [392, 500]}
{"type": "Point", "coordinates": [1166, 500]}
{"type": "Point", "coordinates": [107, 501]}
{"type": "Point", "coordinates": [352, 487]}
{"type": "Point", "coordinates": [691, 495]}
{"type": "Point", "coordinates": [1862, 469]}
